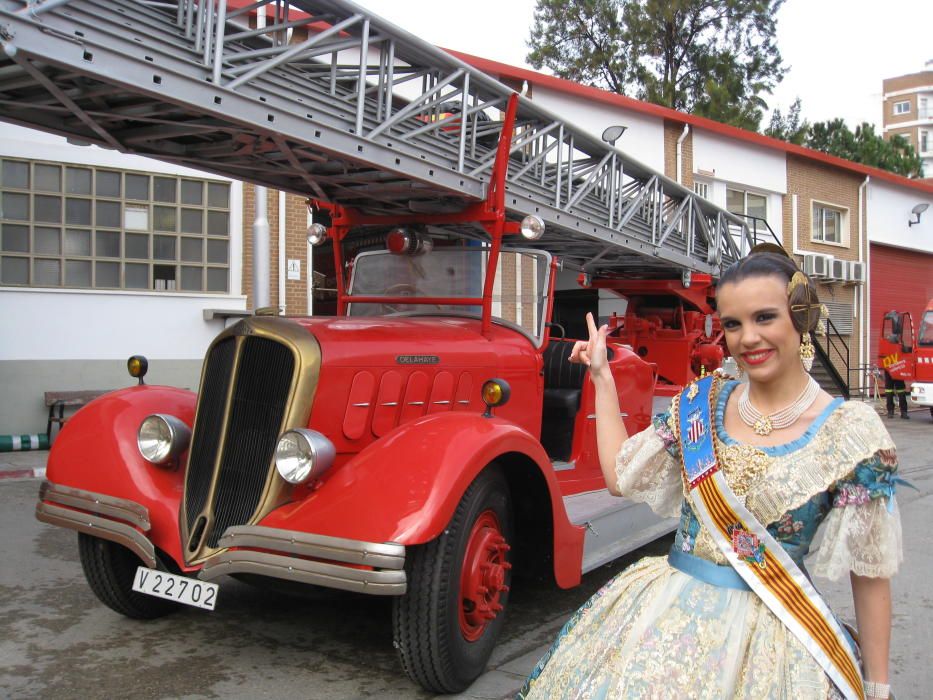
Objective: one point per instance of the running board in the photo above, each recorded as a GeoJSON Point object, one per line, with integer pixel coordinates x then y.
{"type": "Point", "coordinates": [614, 525]}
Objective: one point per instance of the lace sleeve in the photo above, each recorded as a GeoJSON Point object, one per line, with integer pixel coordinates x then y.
{"type": "Point", "coordinates": [863, 529]}
{"type": "Point", "coordinates": [648, 472]}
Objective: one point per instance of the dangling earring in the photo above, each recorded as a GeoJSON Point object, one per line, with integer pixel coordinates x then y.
{"type": "Point", "coordinates": [807, 352]}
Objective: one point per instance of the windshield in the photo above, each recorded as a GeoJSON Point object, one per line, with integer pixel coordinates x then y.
{"type": "Point", "coordinates": [519, 295]}
{"type": "Point", "coordinates": [926, 331]}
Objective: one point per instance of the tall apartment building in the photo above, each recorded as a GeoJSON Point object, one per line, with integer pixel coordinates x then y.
{"type": "Point", "coordinates": [908, 112]}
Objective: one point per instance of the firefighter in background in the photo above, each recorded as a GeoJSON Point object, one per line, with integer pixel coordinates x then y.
{"type": "Point", "coordinates": [894, 386]}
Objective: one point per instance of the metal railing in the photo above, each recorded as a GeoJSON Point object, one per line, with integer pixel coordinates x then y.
{"type": "Point", "coordinates": [837, 347]}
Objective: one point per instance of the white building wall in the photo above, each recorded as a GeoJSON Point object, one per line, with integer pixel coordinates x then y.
{"type": "Point", "coordinates": [76, 324]}
{"type": "Point", "coordinates": [889, 210]}
{"type": "Point", "coordinates": [725, 163]}
{"type": "Point", "coordinates": [643, 140]}
{"type": "Point", "coordinates": [65, 339]}
{"type": "Point", "coordinates": [739, 162]}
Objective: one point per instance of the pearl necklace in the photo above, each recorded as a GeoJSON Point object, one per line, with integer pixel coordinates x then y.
{"type": "Point", "coordinates": [764, 424]}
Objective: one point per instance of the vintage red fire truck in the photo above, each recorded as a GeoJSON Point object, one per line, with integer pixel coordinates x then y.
{"type": "Point", "coordinates": [906, 358]}
{"type": "Point", "coordinates": [431, 440]}
{"type": "Point", "coordinates": [419, 446]}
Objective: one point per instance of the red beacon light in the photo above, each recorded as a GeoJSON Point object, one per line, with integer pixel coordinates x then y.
{"type": "Point", "coordinates": [402, 241]}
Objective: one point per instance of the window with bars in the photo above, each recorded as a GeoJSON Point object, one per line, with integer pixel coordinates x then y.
{"type": "Point", "coordinates": [91, 227]}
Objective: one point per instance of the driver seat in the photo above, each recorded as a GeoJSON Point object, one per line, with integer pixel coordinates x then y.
{"type": "Point", "coordinates": [563, 388]}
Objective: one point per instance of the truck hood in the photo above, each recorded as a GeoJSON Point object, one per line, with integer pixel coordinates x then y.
{"type": "Point", "coordinates": [390, 342]}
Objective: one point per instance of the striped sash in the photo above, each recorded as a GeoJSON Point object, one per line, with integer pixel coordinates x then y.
{"type": "Point", "coordinates": [754, 554]}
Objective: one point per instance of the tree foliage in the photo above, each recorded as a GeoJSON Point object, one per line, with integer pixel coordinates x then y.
{"type": "Point", "coordinates": [714, 58]}
{"type": "Point", "coordinates": [864, 146]}
{"type": "Point", "coordinates": [790, 128]}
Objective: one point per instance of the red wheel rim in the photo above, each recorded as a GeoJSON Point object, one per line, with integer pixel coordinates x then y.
{"type": "Point", "coordinates": [483, 576]}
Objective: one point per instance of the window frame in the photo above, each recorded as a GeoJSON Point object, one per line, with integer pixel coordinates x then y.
{"type": "Point", "coordinates": [843, 227]}
{"type": "Point", "coordinates": [80, 231]}
{"type": "Point", "coordinates": [901, 107]}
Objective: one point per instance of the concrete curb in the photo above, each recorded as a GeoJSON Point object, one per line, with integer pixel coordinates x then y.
{"type": "Point", "coordinates": [34, 473]}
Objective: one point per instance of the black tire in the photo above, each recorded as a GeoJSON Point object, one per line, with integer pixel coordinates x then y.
{"type": "Point", "coordinates": [109, 569]}
{"type": "Point", "coordinates": [428, 632]}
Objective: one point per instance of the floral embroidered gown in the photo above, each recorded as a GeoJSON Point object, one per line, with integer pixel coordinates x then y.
{"type": "Point", "coordinates": [656, 632]}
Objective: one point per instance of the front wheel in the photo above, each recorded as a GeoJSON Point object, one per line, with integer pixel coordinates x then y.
{"type": "Point", "coordinates": [110, 569]}
{"type": "Point", "coordinates": [446, 625]}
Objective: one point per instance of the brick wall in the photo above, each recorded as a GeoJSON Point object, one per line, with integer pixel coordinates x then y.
{"type": "Point", "coordinates": [296, 291]}
{"type": "Point", "coordinates": [908, 82]}
{"type": "Point", "coordinates": [673, 131]}
{"type": "Point", "coordinates": [889, 118]}
{"type": "Point", "coordinates": [810, 181]}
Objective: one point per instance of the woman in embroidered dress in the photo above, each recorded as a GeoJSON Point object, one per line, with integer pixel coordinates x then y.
{"type": "Point", "coordinates": [656, 631]}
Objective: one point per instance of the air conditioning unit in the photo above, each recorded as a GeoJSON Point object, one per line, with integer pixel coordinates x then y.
{"type": "Point", "coordinates": [817, 265]}
{"type": "Point", "coordinates": [837, 270]}
{"type": "Point", "coordinates": [856, 272]}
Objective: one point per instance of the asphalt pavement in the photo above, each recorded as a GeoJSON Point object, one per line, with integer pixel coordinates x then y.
{"type": "Point", "coordinates": [912, 637]}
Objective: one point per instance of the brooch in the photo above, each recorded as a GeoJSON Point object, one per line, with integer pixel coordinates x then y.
{"type": "Point", "coordinates": [747, 545]}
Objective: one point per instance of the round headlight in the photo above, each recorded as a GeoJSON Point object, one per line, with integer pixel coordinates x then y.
{"type": "Point", "coordinates": [161, 438]}
{"type": "Point", "coordinates": [302, 455]}
{"type": "Point", "coordinates": [317, 234]}
{"type": "Point", "coordinates": [532, 227]}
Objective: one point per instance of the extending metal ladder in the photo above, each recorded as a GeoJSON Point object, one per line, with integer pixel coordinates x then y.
{"type": "Point", "coordinates": [330, 101]}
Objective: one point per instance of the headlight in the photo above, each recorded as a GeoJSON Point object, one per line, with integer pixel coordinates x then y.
{"type": "Point", "coordinates": [532, 227]}
{"type": "Point", "coordinates": [303, 454]}
{"type": "Point", "coordinates": [317, 234]}
{"type": "Point", "coordinates": [161, 438]}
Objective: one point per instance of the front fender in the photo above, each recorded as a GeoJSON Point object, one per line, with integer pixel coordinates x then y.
{"type": "Point", "coordinates": [405, 487]}
{"type": "Point", "coordinates": [96, 451]}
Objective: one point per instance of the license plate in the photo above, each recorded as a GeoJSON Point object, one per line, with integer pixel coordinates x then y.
{"type": "Point", "coordinates": [178, 588]}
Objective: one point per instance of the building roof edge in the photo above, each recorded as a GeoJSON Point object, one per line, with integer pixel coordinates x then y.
{"type": "Point", "coordinates": [504, 70]}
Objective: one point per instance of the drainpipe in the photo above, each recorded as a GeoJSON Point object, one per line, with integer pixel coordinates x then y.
{"type": "Point", "coordinates": [864, 298]}
{"type": "Point", "coordinates": [260, 252]}
{"type": "Point", "coordinates": [282, 271]}
{"type": "Point", "coordinates": [680, 142]}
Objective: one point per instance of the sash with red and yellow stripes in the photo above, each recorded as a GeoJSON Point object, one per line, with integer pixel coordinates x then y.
{"type": "Point", "coordinates": [754, 554]}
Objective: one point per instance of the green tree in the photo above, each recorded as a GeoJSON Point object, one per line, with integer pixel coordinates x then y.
{"type": "Point", "coordinates": [790, 128]}
{"type": "Point", "coordinates": [714, 58]}
{"type": "Point", "coordinates": [864, 146]}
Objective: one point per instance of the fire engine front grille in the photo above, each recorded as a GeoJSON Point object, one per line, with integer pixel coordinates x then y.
{"type": "Point", "coordinates": [260, 397]}
{"type": "Point", "coordinates": [204, 446]}
{"type": "Point", "coordinates": [244, 432]}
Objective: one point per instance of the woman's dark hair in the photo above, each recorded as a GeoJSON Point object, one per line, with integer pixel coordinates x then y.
{"type": "Point", "coordinates": [803, 301]}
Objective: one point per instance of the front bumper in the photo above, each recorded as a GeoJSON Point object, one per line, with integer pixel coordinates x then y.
{"type": "Point", "coordinates": [320, 560]}
{"type": "Point", "coordinates": [921, 394]}
{"type": "Point", "coordinates": [107, 517]}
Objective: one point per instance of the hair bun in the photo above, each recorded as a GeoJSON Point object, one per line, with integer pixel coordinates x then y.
{"type": "Point", "coordinates": [768, 248]}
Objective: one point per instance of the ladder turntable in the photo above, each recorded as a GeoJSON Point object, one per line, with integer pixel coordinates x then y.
{"type": "Point", "coordinates": [332, 102]}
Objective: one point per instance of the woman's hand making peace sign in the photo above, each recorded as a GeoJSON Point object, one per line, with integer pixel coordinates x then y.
{"type": "Point", "coordinates": [592, 352]}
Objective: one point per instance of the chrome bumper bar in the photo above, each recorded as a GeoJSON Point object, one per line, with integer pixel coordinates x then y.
{"type": "Point", "coordinates": [297, 556]}
{"type": "Point", "coordinates": [97, 515]}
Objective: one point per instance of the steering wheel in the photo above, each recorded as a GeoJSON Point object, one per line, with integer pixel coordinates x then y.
{"type": "Point", "coordinates": [402, 289]}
